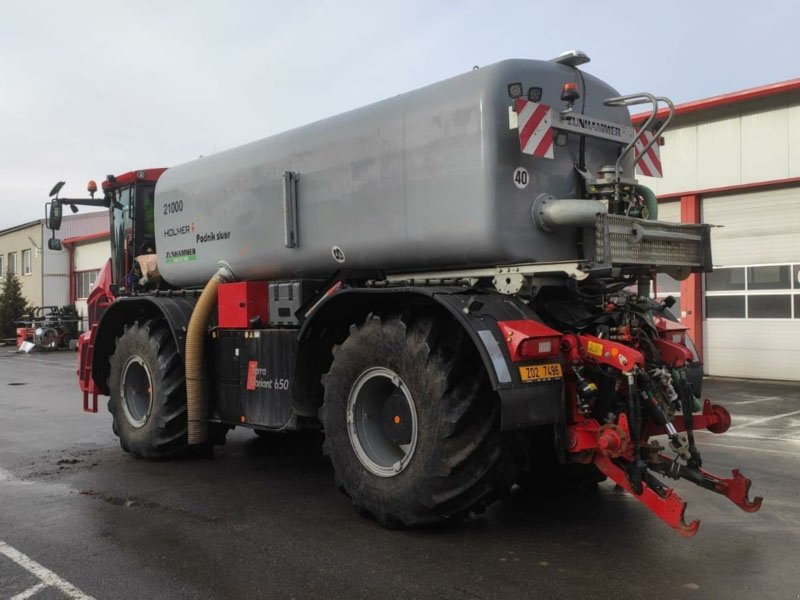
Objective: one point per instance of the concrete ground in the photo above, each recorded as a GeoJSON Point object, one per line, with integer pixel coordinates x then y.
{"type": "Point", "coordinates": [79, 518]}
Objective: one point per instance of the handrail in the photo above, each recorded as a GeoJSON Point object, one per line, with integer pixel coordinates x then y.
{"type": "Point", "coordinates": [632, 100]}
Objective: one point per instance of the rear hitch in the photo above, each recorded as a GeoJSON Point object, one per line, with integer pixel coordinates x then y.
{"type": "Point", "coordinates": [736, 488]}
{"type": "Point", "coordinates": [662, 501]}
{"type": "Point", "coordinates": [610, 448]}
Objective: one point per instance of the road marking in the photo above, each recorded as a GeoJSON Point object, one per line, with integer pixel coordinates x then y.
{"type": "Point", "coordinates": [764, 420]}
{"type": "Point", "coordinates": [763, 438]}
{"type": "Point", "coordinates": [30, 592]}
{"type": "Point", "coordinates": [750, 448]}
{"type": "Point", "coordinates": [49, 363]}
{"type": "Point", "coordinates": [45, 575]}
{"type": "Point", "coordinates": [756, 400]}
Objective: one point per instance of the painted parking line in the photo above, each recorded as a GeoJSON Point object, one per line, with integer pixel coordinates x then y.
{"type": "Point", "coordinates": [47, 363]}
{"type": "Point", "coordinates": [755, 400]}
{"type": "Point", "coordinates": [46, 576]}
{"type": "Point", "coordinates": [30, 592]}
{"type": "Point", "coordinates": [761, 420]}
{"type": "Point", "coordinates": [763, 438]}
{"type": "Point", "coordinates": [752, 449]}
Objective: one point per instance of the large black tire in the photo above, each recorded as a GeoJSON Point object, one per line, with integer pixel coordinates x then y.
{"type": "Point", "coordinates": [148, 393]}
{"type": "Point", "coordinates": [458, 464]}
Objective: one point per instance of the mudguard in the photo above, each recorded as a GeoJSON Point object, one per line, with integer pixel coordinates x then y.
{"type": "Point", "coordinates": [522, 404]}
{"type": "Point", "coordinates": [175, 310]}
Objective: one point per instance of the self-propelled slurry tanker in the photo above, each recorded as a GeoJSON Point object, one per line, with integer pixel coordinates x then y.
{"type": "Point", "coordinates": [454, 284]}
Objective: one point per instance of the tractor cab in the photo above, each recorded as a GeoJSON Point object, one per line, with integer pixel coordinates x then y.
{"type": "Point", "coordinates": [132, 215]}
{"type": "Point", "coordinates": [130, 199]}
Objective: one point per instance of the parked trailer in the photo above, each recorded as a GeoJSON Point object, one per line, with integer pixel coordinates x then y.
{"type": "Point", "coordinates": [453, 284]}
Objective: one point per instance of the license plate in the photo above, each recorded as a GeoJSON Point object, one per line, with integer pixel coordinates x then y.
{"type": "Point", "coordinates": [540, 372]}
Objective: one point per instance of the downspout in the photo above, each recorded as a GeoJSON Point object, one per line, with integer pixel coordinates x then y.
{"type": "Point", "coordinates": [70, 271]}
{"type": "Point", "coordinates": [196, 388]}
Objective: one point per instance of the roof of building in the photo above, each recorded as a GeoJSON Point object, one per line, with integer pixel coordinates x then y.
{"type": "Point", "coordinates": [89, 223]}
{"type": "Point", "coordinates": [20, 226]}
{"type": "Point", "coordinates": [764, 91]}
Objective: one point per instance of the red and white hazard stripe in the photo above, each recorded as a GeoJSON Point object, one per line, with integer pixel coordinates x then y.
{"type": "Point", "coordinates": [648, 165]}
{"type": "Point", "coordinates": [534, 122]}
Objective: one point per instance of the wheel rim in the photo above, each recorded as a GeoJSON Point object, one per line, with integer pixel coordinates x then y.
{"type": "Point", "coordinates": [136, 391]}
{"type": "Point", "coordinates": [382, 422]}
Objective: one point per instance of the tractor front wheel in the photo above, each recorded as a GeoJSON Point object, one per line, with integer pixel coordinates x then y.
{"type": "Point", "coordinates": [148, 394]}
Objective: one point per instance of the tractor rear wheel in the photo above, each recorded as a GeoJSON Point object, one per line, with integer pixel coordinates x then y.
{"type": "Point", "coordinates": [148, 394]}
{"type": "Point", "coordinates": [412, 425]}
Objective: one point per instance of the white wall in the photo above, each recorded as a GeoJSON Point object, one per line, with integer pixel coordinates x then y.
{"type": "Point", "coordinates": [757, 227]}
{"type": "Point", "coordinates": [748, 143]}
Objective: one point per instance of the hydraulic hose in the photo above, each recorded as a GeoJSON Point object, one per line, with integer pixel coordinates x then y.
{"type": "Point", "coordinates": [650, 201]}
{"type": "Point", "coordinates": [196, 392]}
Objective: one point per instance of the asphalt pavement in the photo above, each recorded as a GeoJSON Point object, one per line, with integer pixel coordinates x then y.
{"type": "Point", "coordinates": [80, 518]}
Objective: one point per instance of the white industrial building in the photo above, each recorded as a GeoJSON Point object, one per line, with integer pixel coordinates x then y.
{"type": "Point", "coordinates": [51, 278]}
{"type": "Point", "coordinates": [734, 161]}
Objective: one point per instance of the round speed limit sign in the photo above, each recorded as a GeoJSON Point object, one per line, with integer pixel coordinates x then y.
{"type": "Point", "coordinates": [521, 177]}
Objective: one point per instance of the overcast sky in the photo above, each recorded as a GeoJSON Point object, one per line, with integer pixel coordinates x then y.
{"type": "Point", "coordinates": [89, 88]}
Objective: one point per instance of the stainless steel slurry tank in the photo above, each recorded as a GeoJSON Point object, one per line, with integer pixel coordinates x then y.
{"type": "Point", "coordinates": [421, 181]}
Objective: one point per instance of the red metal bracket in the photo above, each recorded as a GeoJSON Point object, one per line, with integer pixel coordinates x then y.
{"type": "Point", "coordinates": [90, 406]}
{"type": "Point", "coordinates": [583, 436]}
{"type": "Point", "coordinates": [670, 507]}
{"type": "Point", "coordinates": [714, 417]}
{"type": "Point", "coordinates": [736, 488]}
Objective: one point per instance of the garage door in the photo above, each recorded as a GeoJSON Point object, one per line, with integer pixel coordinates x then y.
{"type": "Point", "coordinates": [89, 259]}
{"type": "Point", "coordinates": [752, 300]}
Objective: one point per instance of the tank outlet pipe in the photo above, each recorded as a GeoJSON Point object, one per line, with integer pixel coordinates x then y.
{"type": "Point", "coordinates": [549, 213]}
{"type": "Point", "coordinates": [650, 201]}
{"type": "Point", "coordinates": [196, 388]}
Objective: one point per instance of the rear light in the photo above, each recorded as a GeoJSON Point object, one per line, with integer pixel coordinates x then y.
{"type": "Point", "coordinates": [527, 339]}
{"type": "Point", "coordinates": [533, 348]}
{"type": "Point", "coordinates": [677, 337]}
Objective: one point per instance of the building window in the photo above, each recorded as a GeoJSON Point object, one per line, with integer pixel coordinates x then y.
{"type": "Point", "coordinates": [725, 280]}
{"type": "Point", "coordinates": [773, 277]}
{"type": "Point", "coordinates": [769, 307]}
{"type": "Point", "coordinates": [2, 266]}
{"type": "Point", "coordinates": [12, 262]}
{"type": "Point", "coordinates": [753, 292]}
{"type": "Point", "coordinates": [26, 262]}
{"type": "Point", "coordinates": [725, 307]}
{"type": "Point", "coordinates": [84, 280]}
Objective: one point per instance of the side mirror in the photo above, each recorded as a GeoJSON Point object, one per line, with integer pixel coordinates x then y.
{"type": "Point", "coordinates": [54, 244]}
{"type": "Point", "coordinates": [54, 216]}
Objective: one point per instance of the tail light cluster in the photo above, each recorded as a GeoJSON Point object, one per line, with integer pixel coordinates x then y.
{"type": "Point", "coordinates": [676, 337]}
{"type": "Point", "coordinates": [671, 331]}
{"type": "Point", "coordinates": [529, 340]}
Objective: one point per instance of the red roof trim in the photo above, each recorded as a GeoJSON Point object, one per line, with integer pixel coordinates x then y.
{"type": "Point", "coordinates": [763, 91]}
{"type": "Point", "coordinates": [86, 238]}
{"type": "Point", "coordinates": [740, 187]}
{"type": "Point", "coordinates": [147, 175]}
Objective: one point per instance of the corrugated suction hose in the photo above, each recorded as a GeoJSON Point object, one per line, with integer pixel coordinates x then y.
{"type": "Point", "coordinates": [650, 200]}
{"type": "Point", "coordinates": [196, 389]}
